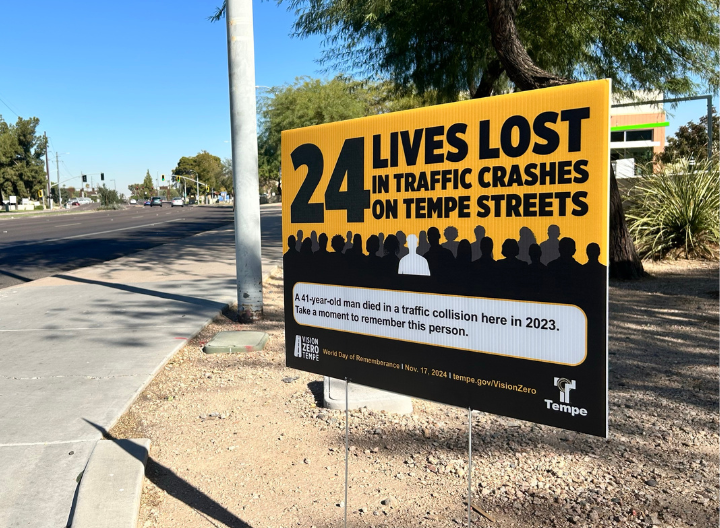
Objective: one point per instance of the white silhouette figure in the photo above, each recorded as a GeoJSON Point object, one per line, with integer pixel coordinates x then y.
{"type": "Point", "coordinates": [412, 263]}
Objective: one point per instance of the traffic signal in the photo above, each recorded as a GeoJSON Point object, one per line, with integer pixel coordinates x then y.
{"type": "Point", "coordinates": [102, 176]}
{"type": "Point", "coordinates": [163, 177]}
{"type": "Point", "coordinates": [84, 177]}
{"type": "Point", "coordinates": [173, 178]}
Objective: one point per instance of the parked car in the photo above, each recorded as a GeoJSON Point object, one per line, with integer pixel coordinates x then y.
{"type": "Point", "coordinates": [133, 201]}
{"type": "Point", "coordinates": [156, 200]}
{"type": "Point", "coordinates": [84, 200]}
{"type": "Point", "coordinates": [147, 202]}
{"type": "Point", "coordinates": [178, 201]}
{"type": "Point", "coordinates": [73, 201]}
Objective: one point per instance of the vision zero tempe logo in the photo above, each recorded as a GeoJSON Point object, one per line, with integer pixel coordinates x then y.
{"type": "Point", "coordinates": [565, 385]}
{"type": "Point", "coordinates": [307, 348]}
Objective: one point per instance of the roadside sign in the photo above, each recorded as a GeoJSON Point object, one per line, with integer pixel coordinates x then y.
{"type": "Point", "coordinates": [457, 253]}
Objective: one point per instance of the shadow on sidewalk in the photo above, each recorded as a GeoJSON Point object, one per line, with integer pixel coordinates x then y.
{"type": "Point", "coordinates": [144, 291]}
{"type": "Point", "coordinates": [15, 276]}
{"type": "Point", "coordinates": [177, 487]}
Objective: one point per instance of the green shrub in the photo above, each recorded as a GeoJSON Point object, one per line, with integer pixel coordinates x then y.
{"type": "Point", "coordinates": [109, 197]}
{"type": "Point", "coordinates": [674, 212]}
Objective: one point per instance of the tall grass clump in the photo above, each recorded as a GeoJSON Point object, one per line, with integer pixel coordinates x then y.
{"type": "Point", "coordinates": [674, 212]}
{"type": "Point", "coordinates": [112, 207]}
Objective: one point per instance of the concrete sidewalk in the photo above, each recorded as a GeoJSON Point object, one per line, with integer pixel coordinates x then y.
{"type": "Point", "coordinates": [77, 348]}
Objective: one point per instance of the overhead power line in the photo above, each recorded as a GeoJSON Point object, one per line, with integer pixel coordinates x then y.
{"type": "Point", "coordinates": [9, 107]}
{"type": "Point", "coordinates": [67, 169]}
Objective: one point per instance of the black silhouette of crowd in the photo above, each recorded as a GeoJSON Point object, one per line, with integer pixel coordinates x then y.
{"type": "Point", "coordinates": [527, 270]}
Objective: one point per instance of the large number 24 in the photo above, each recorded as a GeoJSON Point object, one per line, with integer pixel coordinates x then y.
{"type": "Point", "coordinates": [354, 200]}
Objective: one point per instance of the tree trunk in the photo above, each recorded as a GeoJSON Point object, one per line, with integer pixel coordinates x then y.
{"type": "Point", "coordinates": [526, 75]}
{"type": "Point", "coordinates": [521, 69]}
{"type": "Point", "coordinates": [624, 261]}
{"type": "Point", "coordinates": [487, 82]}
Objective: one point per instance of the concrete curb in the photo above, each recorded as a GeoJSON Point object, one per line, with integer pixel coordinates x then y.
{"type": "Point", "coordinates": [111, 485]}
{"type": "Point", "coordinates": [110, 491]}
{"type": "Point", "coordinates": [44, 449]}
{"type": "Point", "coordinates": [177, 349]}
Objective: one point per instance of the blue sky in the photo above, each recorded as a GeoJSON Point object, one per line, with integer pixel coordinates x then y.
{"type": "Point", "coordinates": [124, 87]}
{"type": "Point", "coordinates": [128, 86]}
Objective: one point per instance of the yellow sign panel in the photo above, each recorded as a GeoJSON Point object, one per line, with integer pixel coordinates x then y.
{"type": "Point", "coordinates": [528, 160]}
{"type": "Point", "coordinates": [457, 253]}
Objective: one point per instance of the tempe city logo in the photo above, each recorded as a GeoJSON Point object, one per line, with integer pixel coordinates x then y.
{"type": "Point", "coordinates": [565, 385]}
{"type": "Point", "coordinates": [307, 348]}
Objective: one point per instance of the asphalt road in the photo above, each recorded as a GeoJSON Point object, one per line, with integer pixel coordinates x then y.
{"type": "Point", "coordinates": [36, 247]}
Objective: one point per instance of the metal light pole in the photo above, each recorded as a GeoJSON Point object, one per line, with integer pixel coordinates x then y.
{"type": "Point", "coordinates": [47, 170]}
{"type": "Point", "coordinates": [57, 167]}
{"type": "Point", "coordinates": [243, 122]}
{"type": "Point", "coordinates": [197, 186]}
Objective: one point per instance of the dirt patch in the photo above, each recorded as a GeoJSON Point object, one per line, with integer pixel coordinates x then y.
{"type": "Point", "coordinates": [238, 440]}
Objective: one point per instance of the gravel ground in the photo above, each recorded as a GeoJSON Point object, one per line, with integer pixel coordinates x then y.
{"type": "Point", "coordinates": [239, 440]}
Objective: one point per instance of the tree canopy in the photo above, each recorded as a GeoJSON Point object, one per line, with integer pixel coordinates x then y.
{"type": "Point", "coordinates": [309, 102]}
{"type": "Point", "coordinates": [144, 189]}
{"type": "Point", "coordinates": [22, 153]}
{"type": "Point", "coordinates": [109, 197]}
{"type": "Point", "coordinates": [304, 103]}
{"type": "Point", "coordinates": [148, 182]}
{"type": "Point", "coordinates": [458, 46]}
{"type": "Point", "coordinates": [691, 140]}
{"type": "Point", "coordinates": [226, 183]}
{"type": "Point", "coordinates": [208, 168]}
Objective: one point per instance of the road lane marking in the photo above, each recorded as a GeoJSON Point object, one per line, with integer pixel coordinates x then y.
{"type": "Point", "coordinates": [113, 230]}
{"type": "Point", "coordinates": [95, 233]}
{"type": "Point", "coordinates": [65, 225]}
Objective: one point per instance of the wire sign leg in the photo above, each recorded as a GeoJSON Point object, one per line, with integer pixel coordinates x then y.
{"type": "Point", "coordinates": [347, 445]}
{"type": "Point", "coordinates": [469, 499]}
